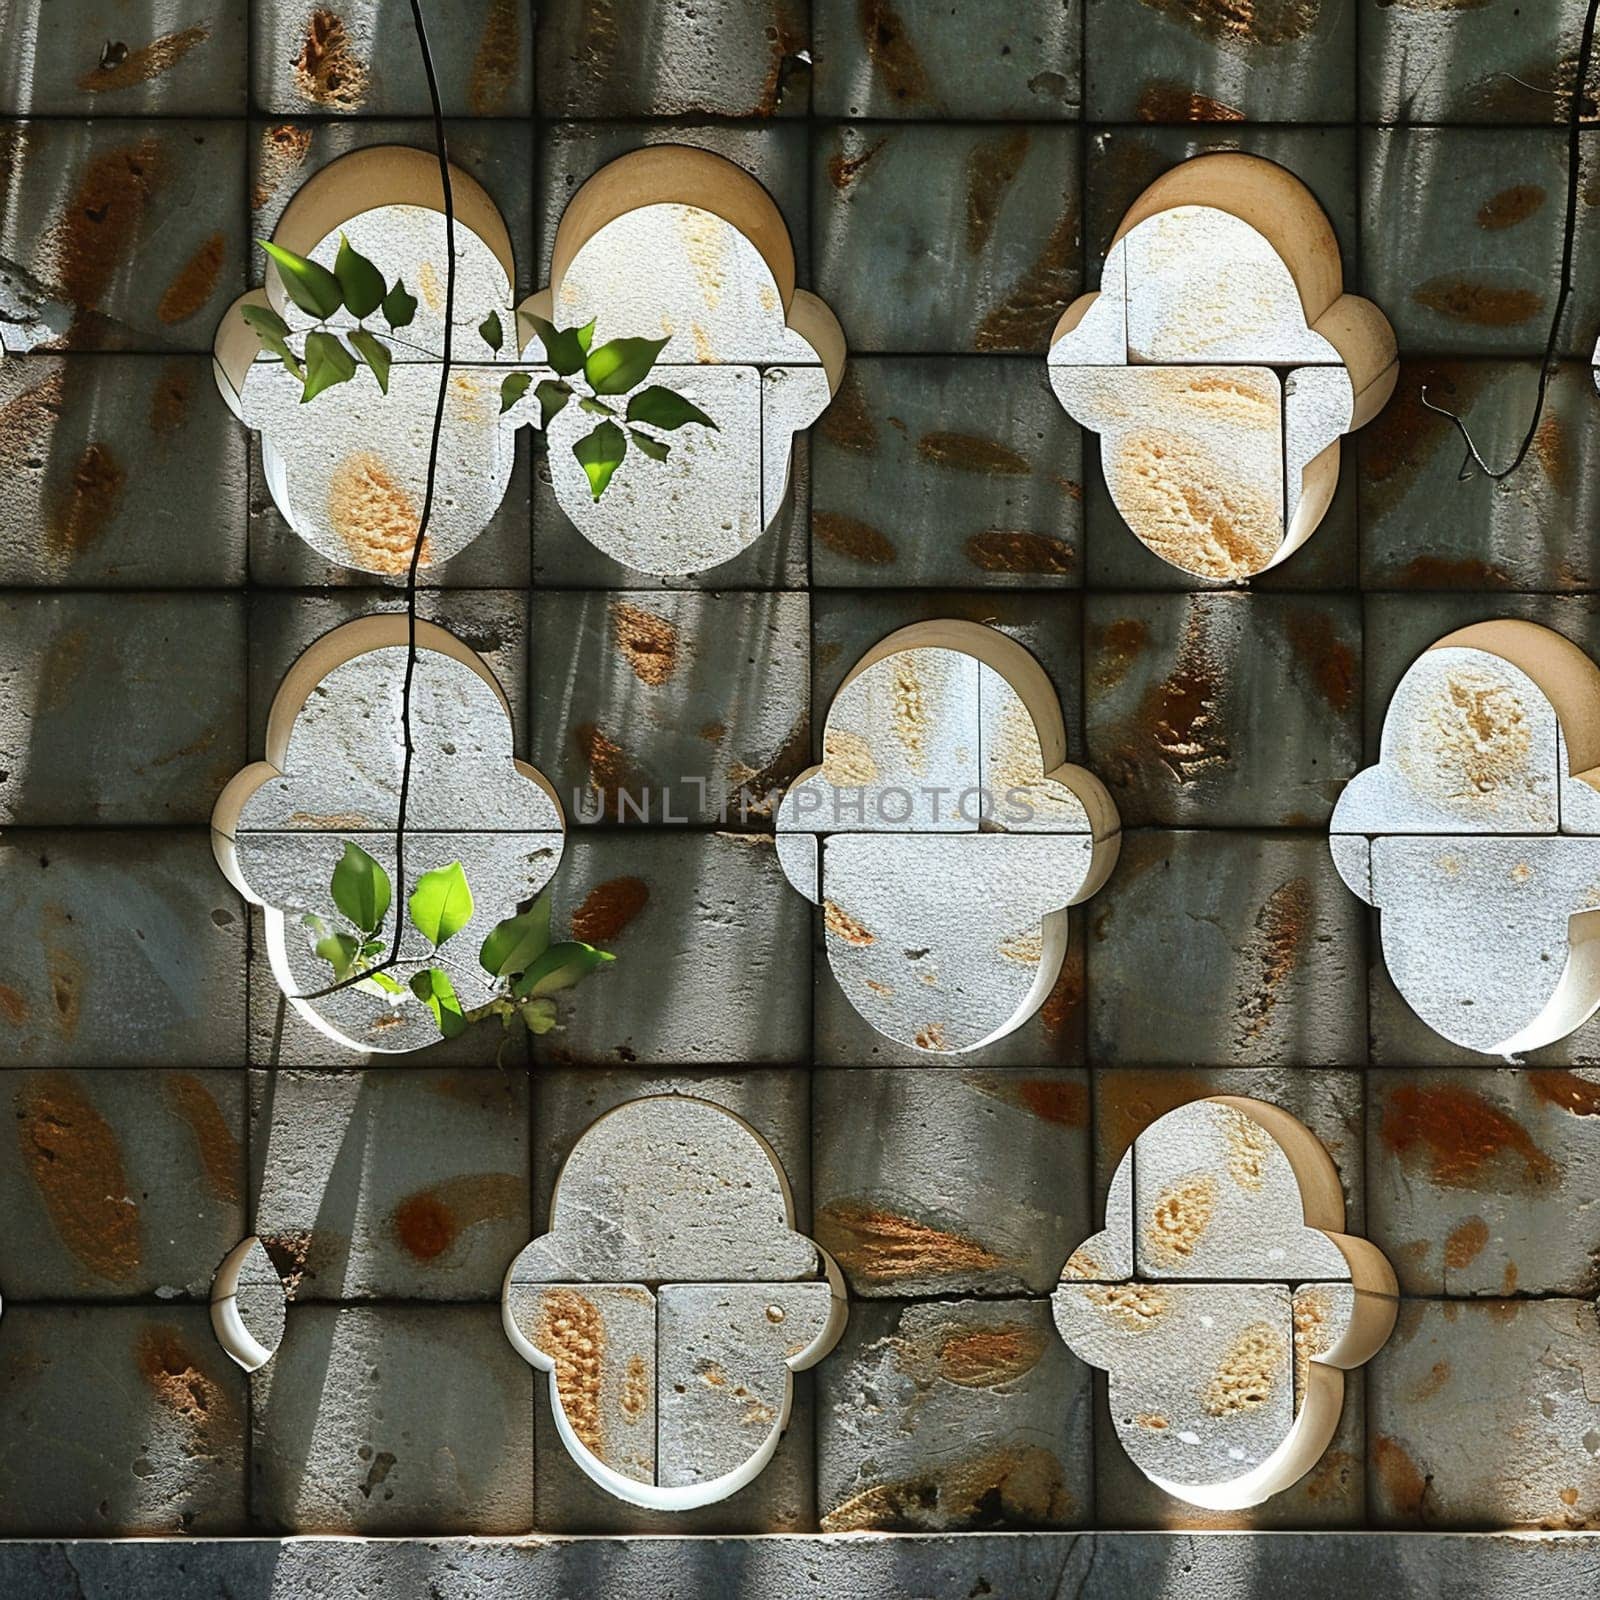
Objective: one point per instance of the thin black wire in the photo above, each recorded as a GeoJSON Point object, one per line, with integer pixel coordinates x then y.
{"type": "Point", "coordinates": [422, 522]}
{"type": "Point", "coordinates": [1568, 242]}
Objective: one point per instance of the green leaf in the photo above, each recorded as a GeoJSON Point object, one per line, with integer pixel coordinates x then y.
{"type": "Point", "coordinates": [513, 389]}
{"type": "Point", "coordinates": [564, 348]}
{"type": "Point", "coordinates": [435, 990]}
{"type": "Point", "coordinates": [656, 449]}
{"type": "Point", "coordinates": [441, 904]}
{"type": "Point", "coordinates": [600, 454]}
{"type": "Point", "coordinates": [596, 407]}
{"type": "Point", "coordinates": [312, 287]}
{"type": "Point", "coordinates": [665, 408]}
{"type": "Point", "coordinates": [339, 950]}
{"type": "Point", "coordinates": [515, 944]}
{"type": "Point", "coordinates": [561, 966]}
{"type": "Point", "coordinates": [538, 1016]}
{"type": "Point", "coordinates": [618, 366]}
{"type": "Point", "coordinates": [489, 331]}
{"type": "Point", "coordinates": [273, 333]}
{"type": "Point", "coordinates": [360, 282]}
{"type": "Point", "coordinates": [361, 888]}
{"type": "Point", "coordinates": [398, 306]}
{"type": "Point", "coordinates": [327, 363]}
{"type": "Point", "coordinates": [552, 397]}
{"type": "Point", "coordinates": [382, 982]}
{"type": "Point", "coordinates": [375, 353]}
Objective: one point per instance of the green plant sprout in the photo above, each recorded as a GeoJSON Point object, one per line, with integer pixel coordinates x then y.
{"type": "Point", "coordinates": [524, 968]}
{"type": "Point", "coordinates": [612, 373]}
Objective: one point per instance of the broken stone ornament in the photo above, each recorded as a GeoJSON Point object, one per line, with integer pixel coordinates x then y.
{"type": "Point", "coordinates": [1225, 1302]}
{"type": "Point", "coordinates": [671, 1302]}
{"type": "Point", "coordinates": [248, 1306]}
{"type": "Point", "coordinates": [335, 748]}
{"type": "Point", "coordinates": [666, 242]}
{"type": "Point", "coordinates": [1221, 361]}
{"type": "Point", "coordinates": [944, 835]}
{"type": "Point", "coordinates": [1477, 837]}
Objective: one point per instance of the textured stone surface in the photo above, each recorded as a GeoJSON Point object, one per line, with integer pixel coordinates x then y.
{"type": "Point", "coordinates": [953, 1414]}
{"type": "Point", "coordinates": [119, 1184]}
{"type": "Point", "coordinates": [400, 1419]}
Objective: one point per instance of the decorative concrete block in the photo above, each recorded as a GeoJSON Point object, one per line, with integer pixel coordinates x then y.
{"type": "Point", "coordinates": [944, 788]}
{"type": "Point", "coordinates": [248, 1305]}
{"type": "Point", "coordinates": [122, 950]}
{"type": "Point", "coordinates": [1481, 1413]}
{"type": "Point", "coordinates": [1222, 464]}
{"type": "Point", "coordinates": [1215, 710]}
{"type": "Point", "coordinates": [939, 471]}
{"type": "Point", "coordinates": [685, 708]}
{"type": "Point", "coordinates": [90, 453]}
{"type": "Point", "coordinates": [928, 63]}
{"type": "Point", "coordinates": [360, 60]}
{"type": "Point", "coordinates": [187, 60]}
{"type": "Point", "coordinates": [722, 59]}
{"type": "Point", "coordinates": [680, 1194]}
{"type": "Point", "coordinates": [105, 242]}
{"type": "Point", "coordinates": [1473, 835]}
{"type": "Point", "coordinates": [945, 239]}
{"type": "Point", "coordinates": [1253, 930]}
{"type": "Point", "coordinates": [1173, 61]}
{"type": "Point", "coordinates": [352, 1206]}
{"type": "Point", "coordinates": [1482, 1182]}
{"type": "Point", "coordinates": [119, 1184]}
{"type": "Point", "coordinates": [932, 1181]}
{"type": "Point", "coordinates": [121, 1421]}
{"type": "Point", "coordinates": [118, 709]}
{"type": "Point", "coordinates": [284, 823]}
{"type": "Point", "coordinates": [399, 1420]}
{"type": "Point", "coordinates": [1225, 1301]}
{"type": "Point", "coordinates": [1461, 233]}
{"type": "Point", "coordinates": [952, 1415]}
{"type": "Point", "coordinates": [670, 902]}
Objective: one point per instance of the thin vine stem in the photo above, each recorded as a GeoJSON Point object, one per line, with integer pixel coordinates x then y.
{"type": "Point", "coordinates": [1473, 458]}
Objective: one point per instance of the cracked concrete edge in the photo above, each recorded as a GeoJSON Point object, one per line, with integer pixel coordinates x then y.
{"type": "Point", "coordinates": [1087, 1566]}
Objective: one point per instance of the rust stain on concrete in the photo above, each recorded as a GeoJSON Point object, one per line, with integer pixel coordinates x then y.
{"type": "Point", "coordinates": [1465, 1243]}
{"type": "Point", "coordinates": [194, 283]}
{"type": "Point", "coordinates": [327, 69]}
{"type": "Point", "coordinates": [851, 537]}
{"type": "Point", "coordinates": [168, 1367]}
{"type": "Point", "coordinates": [1275, 949]}
{"type": "Point", "coordinates": [1017, 1485]}
{"type": "Point", "coordinates": [892, 52]}
{"type": "Point", "coordinates": [992, 167]}
{"type": "Point", "coordinates": [848, 422]}
{"type": "Point", "coordinates": [169, 400]}
{"type": "Point", "coordinates": [883, 1246]}
{"type": "Point", "coordinates": [647, 641]}
{"type": "Point", "coordinates": [608, 908]}
{"type": "Point", "coordinates": [122, 68]}
{"type": "Point", "coordinates": [1116, 647]}
{"type": "Point", "coordinates": [1268, 23]}
{"type": "Point", "coordinates": [1024, 318]}
{"type": "Point", "coordinates": [220, 1155]}
{"type": "Point", "coordinates": [429, 1221]}
{"type": "Point", "coordinates": [1479, 302]}
{"type": "Point", "coordinates": [843, 169]}
{"type": "Point", "coordinates": [1164, 101]}
{"type": "Point", "coordinates": [494, 68]}
{"type": "Point", "coordinates": [1403, 1482]}
{"type": "Point", "coordinates": [971, 452]}
{"type": "Point", "coordinates": [1510, 206]}
{"type": "Point", "coordinates": [1063, 1102]}
{"type": "Point", "coordinates": [1002, 550]}
{"type": "Point", "coordinates": [1461, 1136]}
{"type": "Point", "coordinates": [1331, 662]}
{"type": "Point", "coordinates": [1569, 1090]}
{"type": "Point", "coordinates": [80, 509]}
{"type": "Point", "coordinates": [281, 154]}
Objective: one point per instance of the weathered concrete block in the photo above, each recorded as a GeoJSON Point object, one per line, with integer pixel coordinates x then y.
{"type": "Point", "coordinates": [1424, 528]}
{"type": "Point", "coordinates": [1461, 228]}
{"type": "Point", "coordinates": [352, 1205]}
{"type": "Point", "coordinates": [91, 448]}
{"type": "Point", "coordinates": [109, 241]}
{"type": "Point", "coordinates": [666, 903]}
{"type": "Point", "coordinates": [880, 59]}
{"type": "Point", "coordinates": [120, 1421]}
{"type": "Point", "coordinates": [671, 708]}
{"type": "Point", "coordinates": [120, 1183]}
{"type": "Point", "coordinates": [1481, 1414]}
{"type": "Point", "coordinates": [944, 1181]}
{"type": "Point", "coordinates": [1224, 710]}
{"type": "Point", "coordinates": [189, 60]}
{"type": "Point", "coordinates": [359, 60]}
{"type": "Point", "coordinates": [1493, 63]}
{"type": "Point", "coordinates": [118, 709]}
{"type": "Point", "coordinates": [946, 472]}
{"type": "Point", "coordinates": [1481, 1182]}
{"type": "Point", "coordinates": [395, 1420]}
{"type": "Point", "coordinates": [958, 1414]}
{"type": "Point", "coordinates": [975, 229]}
{"type": "Point", "coordinates": [723, 59]}
{"type": "Point", "coordinates": [122, 950]}
{"type": "Point", "coordinates": [1176, 62]}
{"type": "Point", "coordinates": [1254, 931]}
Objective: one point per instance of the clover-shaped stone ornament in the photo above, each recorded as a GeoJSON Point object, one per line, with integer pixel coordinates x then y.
{"type": "Point", "coordinates": [675, 243]}
{"type": "Point", "coordinates": [1221, 361]}
{"type": "Point", "coordinates": [309, 834]}
{"type": "Point", "coordinates": [944, 836]}
{"type": "Point", "coordinates": [1225, 1302]}
{"type": "Point", "coordinates": [672, 1302]}
{"type": "Point", "coordinates": [1477, 837]}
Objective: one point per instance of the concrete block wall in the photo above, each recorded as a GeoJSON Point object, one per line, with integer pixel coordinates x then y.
{"type": "Point", "coordinates": [952, 176]}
